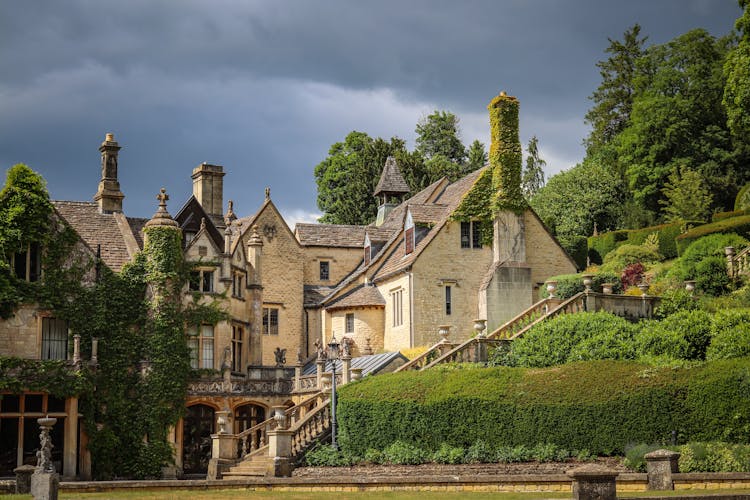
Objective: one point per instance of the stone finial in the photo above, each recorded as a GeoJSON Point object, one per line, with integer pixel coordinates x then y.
{"type": "Point", "coordinates": [162, 217]}
{"type": "Point", "coordinates": [203, 223]}
{"type": "Point", "coordinates": [255, 239]}
{"type": "Point", "coordinates": [230, 216]}
{"type": "Point", "coordinates": [268, 193]}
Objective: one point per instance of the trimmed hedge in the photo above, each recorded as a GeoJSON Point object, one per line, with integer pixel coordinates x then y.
{"type": "Point", "coordinates": [601, 245]}
{"type": "Point", "coordinates": [739, 225]}
{"type": "Point", "coordinates": [728, 215]}
{"type": "Point", "coordinates": [600, 406]}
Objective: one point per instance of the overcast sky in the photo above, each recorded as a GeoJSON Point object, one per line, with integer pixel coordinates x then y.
{"type": "Point", "coordinates": [265, 88]}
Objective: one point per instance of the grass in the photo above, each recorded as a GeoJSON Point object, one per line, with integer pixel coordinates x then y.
{"type": "Point", "coordinates": [197, 494]}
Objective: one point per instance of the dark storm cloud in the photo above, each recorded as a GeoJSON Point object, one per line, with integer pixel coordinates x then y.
{"type": "Point", "coordinates": [265, 87]}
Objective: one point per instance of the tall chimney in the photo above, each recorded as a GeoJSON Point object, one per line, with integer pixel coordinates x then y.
{"type": "Point", "coordinates": [208, 189]}
{"type": "Point", "coordinates": [506, 156]}
{"type": "Point", "coordinates": [108, 196]}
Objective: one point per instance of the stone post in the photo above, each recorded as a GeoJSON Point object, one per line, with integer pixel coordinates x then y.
{"type": "Point", "coordinates": [297, 375]}
{"type": "Point", "coordinates": [45, 482]}
{"type": "Point", "coordinates": [729, 252]}
{"type": "Point", "coordinates": [280, 445]}
{"type": "Point", "coordinates": [356, 374]}
{"type": "Point", "coordinates": [77, 350]}
{"type": "Point", "coordinates": [23, 479]}
{"type": "Point", "coordinates": [346, 367]}
{"type": "Point", "coordinates": [320, 365]}
{"type": "Point", "coordinates": [592, 482]}
{"type": "Point", "coordinates": [660, 465]}
{"type": "Point", "coordinates": [480, 355]}
{"type": "Point", "coordinates": [223, 447]}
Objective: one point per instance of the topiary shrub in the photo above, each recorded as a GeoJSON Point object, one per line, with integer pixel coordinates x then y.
{"type": "Point", "coordinates": [730, 335]}
{"type": "Point", "coordinates": [711, 276]}
{"type": "Point", "coordinates": [708, 246]}
{"type": "Point", "coordinates": [556, 341]}
{"type": "Point", "coordinates": [602, 244]}
{"type": "Point", "coordinates": [627, 254]}
{"type": "Point", "coordinates": [675, 300]}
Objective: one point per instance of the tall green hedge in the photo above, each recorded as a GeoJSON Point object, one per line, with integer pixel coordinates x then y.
{"type": "Point", "coordinates": [739, 225]}
{"type": "Point", "coordinates": [602, 244]}
{"type": "Point", "coordinates": [600, 406]}
{"type": "Point", "coordinates": [728, 215]}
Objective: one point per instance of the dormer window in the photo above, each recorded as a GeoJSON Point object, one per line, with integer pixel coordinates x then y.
{"type": "Point", "coordinates": [408, 234]}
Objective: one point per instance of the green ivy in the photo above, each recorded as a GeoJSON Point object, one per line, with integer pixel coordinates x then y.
{"type": "Point", "coordinates": [477, 206]}
{"type": "Point", "coordinates": [506, 157]}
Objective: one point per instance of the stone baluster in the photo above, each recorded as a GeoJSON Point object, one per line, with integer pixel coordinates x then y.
{"type": "Point", "coordinates": [730, 253]}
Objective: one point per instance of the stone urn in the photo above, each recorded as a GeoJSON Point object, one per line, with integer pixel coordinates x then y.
{"type": "Point", "coordinates": [551, 288]}
{"type": "Point", "coordinates": [444, 331]}
{"type": "Point", "coordinates": [480, 325]}
{"type": "Point", "coordinates": [588, 280]}
{"type": "Point", "coordinates": [643, 287]}
{"type": "Point", "coordinates": [607, 288]}
{"type": "Point", "coordinates": [690, 286]}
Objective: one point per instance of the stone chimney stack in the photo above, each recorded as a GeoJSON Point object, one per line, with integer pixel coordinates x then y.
{"type": "Point", "coordinates": [108, 196]}
{"type": "Point", "coordinates": [208, 189]}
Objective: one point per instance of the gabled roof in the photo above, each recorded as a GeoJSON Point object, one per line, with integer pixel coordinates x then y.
{"type": "Point", "coordinates": [391, 181]}
{"type": "Point", "coordinates": [110, 232]}
{"type": "Point", "coordinates": [330, 235]}
{"type": "Point", "coordinates": [362, 296]}
{"type": "Point", "coordinates": [427, 213]}
{"type": "Point", "coordinates": [189, 219]}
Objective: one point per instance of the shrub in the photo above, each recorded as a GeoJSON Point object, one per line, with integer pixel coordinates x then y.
{"type": "Point", "coordinates": [728, 215]}
{"type": "Point", "coordinates": [632, 275]}
{"type": "Point", "coordinates": [738, 225]}
{"type": "Point", "coordinates": [600, 406]}
{"type": "Point", "coordinates": [571, 284]}
{"type": "Point", "coordinates": [548, 452]}
{"type": "Point", "coordinates": [373, 456]}
{"type": "Point", "coordinates": [708, 246]}
{"type": "Point", "coordinates": [731, 335]}
{"type": "Point", "coordinates": [742, 200]}
{"type": "Point", "coordinates": [577, 248]}
{"type": "Point", "coordinates": [683, 335]}
{"type": "Point", "coordinates": [511, 454]}
{"type": "Point", "coordinates": [711, 276]}
{"type": "Point", "coordinates": [479, 453]}
{"type": "Point", "coordinates": [635, 455]}
{"type": "Point", "coordinates": [673, 301]}
{"type": "Point", "coordinates": [555, 341]}
{"type": "Point", "coordinates": [448, 454]}
{"type": "Point", "coordinates": [600, 245]}
{"type": "Point", "coordinates": [402, 453]}
{"type": "Point", "coordinates": [327, 456]}
{"type": "Point", "coordinates": [627, 254]}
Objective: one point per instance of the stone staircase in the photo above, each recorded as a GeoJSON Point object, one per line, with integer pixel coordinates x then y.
{"type": "Point", "coordinates": [475, 349]}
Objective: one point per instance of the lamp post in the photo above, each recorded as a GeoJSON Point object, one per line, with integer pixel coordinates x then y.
{"type": "Point", "coordinates": [333, 356]}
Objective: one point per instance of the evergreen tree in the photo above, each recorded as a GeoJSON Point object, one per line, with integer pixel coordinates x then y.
{"type": "Point", "coordinates": [613, 99]}
{"type": "Point", "coordinates": [533, 175]}
{"type": "Point", "coordinates": [439, 134]}
{"type": "Point", "coordinates": [477, 157]}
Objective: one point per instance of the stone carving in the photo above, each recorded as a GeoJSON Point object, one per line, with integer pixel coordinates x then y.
{"type": "Point", "coordinates": [240, 387]}
{"type": "Point", "coordinates": [269, 231]}
{"type": "Point", "coordinates": [44, 455]}
{"type": "Point", "coordinates": [280, 355]}
{"type": "Point", "coordinates": [227, 359]}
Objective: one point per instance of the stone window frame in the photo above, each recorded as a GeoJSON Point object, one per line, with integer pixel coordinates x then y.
{"type": "Point", "coordinates": [205, 282]}
{"type": "Point", "coordinates": [237, 344]}
{"type": "Point", "coordinates": [471, 234]}
{"type": "Point", "coordinates": [397, 304]}
{"type": "Point", "coordinates": [325, 270]}
{"type": "Point", "coordinates": [268, 326]}
{"type": "Point", "coordinates": [44, 343]}
{"type": "Point", "coordinates": [448, 300]}
{"type": "Point", "coordinates": [349, 323]}
{"type": "Point", "coordinates": [31, 269]}
{"type": "Point", "coordinates": [237, 285]}
{"type": "Point", "coordinates": [200, 345]}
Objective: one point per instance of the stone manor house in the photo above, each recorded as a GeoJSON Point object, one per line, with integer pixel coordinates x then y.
{"type": "Point", "coordinates": [384, 287]}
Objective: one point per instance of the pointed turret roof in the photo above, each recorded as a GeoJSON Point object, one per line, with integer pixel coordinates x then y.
{"type": "Point", "coordinates": [391, 181]}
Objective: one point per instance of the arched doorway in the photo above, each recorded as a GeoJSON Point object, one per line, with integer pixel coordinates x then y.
{"type": "Point", "coordinates": [197, 427]}
{"type": "Point", "coordinates": [246, 416]}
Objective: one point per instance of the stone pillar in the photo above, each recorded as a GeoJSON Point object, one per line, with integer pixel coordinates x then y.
{"type": "Point", "coordinates": [23, 479]}
{"type": "Point", "coordinates": [320, 366]}
{"type": "Point", "coordinates": [297, 375]}
{"type": "Point", "coordinates": [280, 445]}
{"type": "Point", "coordinates": [346, 366]}
{"type": "Point", "coordinates": [660, 465]}
{"type": "Point", "coordinates": [223, 447]}
{"type": "Point", "coordinates": [592, 482]}
{"type": "Point", "coordinates": [45, 482]}
{"type": "Point", "coordinates": [729, 252]}
{"type": "Point", "coordinates": [480, 356]}
{"type": "Point", "coordinates": [254, 349]}
{"type": "Point", "coordinates": [77, 350]}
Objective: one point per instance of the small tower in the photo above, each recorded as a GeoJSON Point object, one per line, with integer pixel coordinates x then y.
{"type": "Point", "coordinates": [108, 196]}
{"type": "Point", "coordinates": [391, 188]}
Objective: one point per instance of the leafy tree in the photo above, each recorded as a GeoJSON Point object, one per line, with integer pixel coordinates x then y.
{"type": "Point", "coordinates": [677, 119]}
{"type": "Point", "coordinates": [24, 210]}
{"type": "Point", "coordinates": [439, 134]}
{"type": "Point", "coordinates": [613, 99]}
{"type": "Point", "coordinates": [477, 157]}
{"type": "Point", "coordinates": [533, 175]}
{"type": "Point", "coordinates": [574, 200]}
{"type": "Point", "coordinates": [687, 197]}
{"type": "Point", "coordinates": [736, 97]}
{"type": "Point", "coordinates": [347, 178]}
